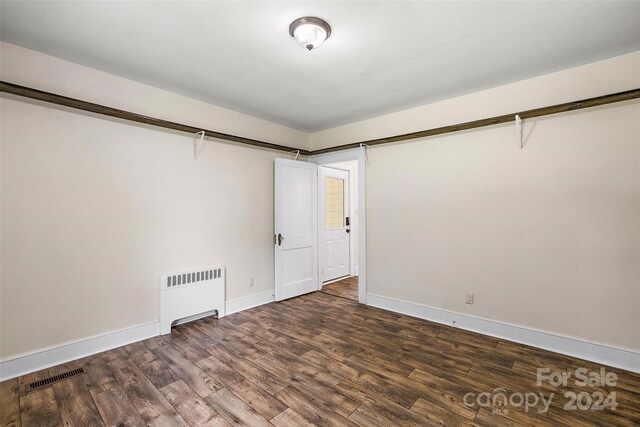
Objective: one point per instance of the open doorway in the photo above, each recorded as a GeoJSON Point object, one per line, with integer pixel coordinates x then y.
{"type": "Point", "coordinates": [338, 221]}
{"type": "Point", "coordinates": [300, 223]}
{"type": "Point", "coordinates": [356, 162]}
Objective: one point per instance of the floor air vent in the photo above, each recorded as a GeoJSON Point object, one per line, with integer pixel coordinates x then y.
{"type": "Point", "coordinates": [54, 379]}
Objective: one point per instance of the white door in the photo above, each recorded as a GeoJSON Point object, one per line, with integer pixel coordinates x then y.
{"type": "Point", "coordinates": [296, 222]}
{"type": "Point", "coordinates": [334, 208]}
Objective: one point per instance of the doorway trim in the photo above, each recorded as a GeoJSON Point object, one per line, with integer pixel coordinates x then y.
{"type": "Point", "coordinates": [358, 155]}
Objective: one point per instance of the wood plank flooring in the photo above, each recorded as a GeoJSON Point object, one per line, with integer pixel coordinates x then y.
{"type": "Point", "coordinates": [312, 360]}
{"type": "Point", "coordinates": [345, 288]}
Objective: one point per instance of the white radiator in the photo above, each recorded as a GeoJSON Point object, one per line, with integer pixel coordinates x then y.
{"type": "Point", "coordinates": [190, 295]}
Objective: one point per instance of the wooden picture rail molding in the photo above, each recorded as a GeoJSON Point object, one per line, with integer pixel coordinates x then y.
{"type": "Point", "coordinates": [134, 117]}
{"type": "Point", "coordinates": [126, 115]}
{"type": "Point", "coordinates": [537, 112]}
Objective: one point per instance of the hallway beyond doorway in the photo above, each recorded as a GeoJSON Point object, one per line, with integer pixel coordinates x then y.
{"type": "Point", "coordinates": [345, 288]}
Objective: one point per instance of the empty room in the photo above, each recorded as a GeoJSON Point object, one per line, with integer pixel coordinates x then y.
{"type": "Point", "coordinates": [319, 213]}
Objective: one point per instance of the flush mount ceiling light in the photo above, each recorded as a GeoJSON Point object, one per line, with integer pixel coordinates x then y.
{"type": "Point", "coordinates": [309, 32]}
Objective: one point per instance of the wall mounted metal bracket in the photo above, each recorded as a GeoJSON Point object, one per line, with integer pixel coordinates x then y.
{"type": "Point", "coordinates": [198, 143]}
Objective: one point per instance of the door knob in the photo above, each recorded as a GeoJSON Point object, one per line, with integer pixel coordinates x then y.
{"type": "Point", "coordinates": [280, 239]}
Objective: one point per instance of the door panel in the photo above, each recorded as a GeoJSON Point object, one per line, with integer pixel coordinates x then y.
{"type": "Point", "coordinates": [342, 253]}
{"type": "Point", "coordinates": [296, 218]}
{"type": "Point", "coordinates": [329, 253]}
{"type": "Point", "coordinates": [334, 204]}
{"type": "Point", "coordinates": [297, 266]}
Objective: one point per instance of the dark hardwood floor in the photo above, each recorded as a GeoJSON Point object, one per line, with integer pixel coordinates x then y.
{"type": "Point", "coordinates": [312, 360]}
{"type": "Point", "coordinates": [345, 288]}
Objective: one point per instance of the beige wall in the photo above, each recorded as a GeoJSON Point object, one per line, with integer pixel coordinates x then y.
{"type": "Point", "coordinates": [547, 237]}
{"type": "Point", "coordinates": [95, 210]}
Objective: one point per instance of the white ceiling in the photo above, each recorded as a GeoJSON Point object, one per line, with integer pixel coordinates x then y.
{"type": "Point", "coordinates": [381, 57]}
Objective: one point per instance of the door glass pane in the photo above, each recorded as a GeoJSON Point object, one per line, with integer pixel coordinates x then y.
{"type": "Point", "coordinates": [334, 202]}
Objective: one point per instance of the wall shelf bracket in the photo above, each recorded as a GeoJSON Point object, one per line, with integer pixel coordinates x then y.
{"type": "Point", "coordinates": [519, 130]}
{"type": "Point", "coordinates": [365, 149]}
{"type": "Point", "coordinates": [198, 143]}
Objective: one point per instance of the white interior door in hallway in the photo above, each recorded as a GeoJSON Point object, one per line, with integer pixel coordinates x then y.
{"type": "Point", "coordinates": [335, 215]}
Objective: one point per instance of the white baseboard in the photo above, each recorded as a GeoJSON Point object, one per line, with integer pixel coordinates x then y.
{"type": "Point", "coordinates": [606, 355]}
{"type": "Point", "coordinates": [250, 301]}
{"type": "Point", "coordinates": [50, 356]}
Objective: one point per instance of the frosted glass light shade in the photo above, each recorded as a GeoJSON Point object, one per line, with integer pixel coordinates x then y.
{"type": "Point", "coordinates": [310, 32]}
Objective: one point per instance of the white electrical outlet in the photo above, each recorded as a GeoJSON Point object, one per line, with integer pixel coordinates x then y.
{"type": "Point", "coordinates": [469, 299]}
{"type": "Point", "coordinates": [251, 282]}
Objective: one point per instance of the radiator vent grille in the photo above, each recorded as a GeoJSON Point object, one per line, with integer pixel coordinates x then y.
{"type": "Point", "coordinates": [54, 379]}
{"type": "Point", "coordinates": [185, 295]}
{"type": "Point", "coordinates": [192, 277]}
